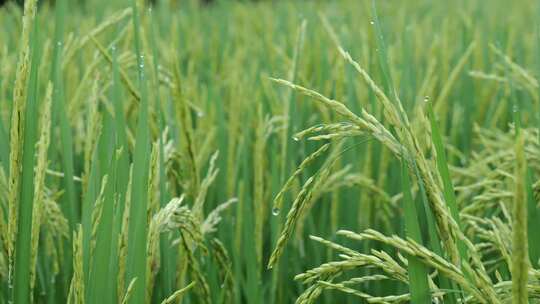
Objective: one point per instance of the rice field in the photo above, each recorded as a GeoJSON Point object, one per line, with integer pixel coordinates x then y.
{"type": "Point", "coordinates": [347, 151]}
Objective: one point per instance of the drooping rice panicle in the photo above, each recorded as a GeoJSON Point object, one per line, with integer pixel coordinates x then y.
{"type": "Point", "coordinates": [111, 21]}
{"type": "Point", "coordinates": [278, 200]}
{"type": "Point", "coordinates": [129, 292]}
{"type": "Point", "coordinates": [123, 239]}
{"type": "Point", "coordinates": [39, 180]}
{"type": "Point", "coordinates": [290, 223]}
{"type": "Point", "coordinates": [23, 193]}
{"type": "Point", "coordinates": [172, 298]}
{"type": "Point", "coordinates": [226, 273]}
{"type": "Point", "coordinates": [205, 184]}
{"type": "Point", "coordinates": [125, 78]}
{"type": "Point", "coordinates": [16, 136]}
{"type": "Point", "coordinates": [76, 289]}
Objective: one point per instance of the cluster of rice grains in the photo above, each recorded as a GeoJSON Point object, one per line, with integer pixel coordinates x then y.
{"type": "Point", "coordinates": [477, 252]}
{"type": "Point", "coordinates": [147, 155]}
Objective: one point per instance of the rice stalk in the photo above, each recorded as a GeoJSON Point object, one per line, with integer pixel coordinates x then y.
{"type": "Point", "coordinates": [520, 259]}
{"type": "Point", "coordinates": [419, 288]}
{"type": "Point", "coordinates": [138, 221]}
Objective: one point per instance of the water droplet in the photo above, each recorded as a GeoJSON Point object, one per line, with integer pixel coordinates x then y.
{"type": "Point", "coordinates": [275, 211]}
{"type": "Point", "coordinates": [200, 114]}
{"type": "Point", "coordinates": [426, 98]}
{"type": "Point", "coordinates": [515, 108]}
{"type": "Point", "coordinates": [295, 138]}
{"type": "Point", "coordinates": [59, 43]}
{"type": "Point", "coordinates": [372, 22]}
{"type": "Point", "coordinates": [141, 61]}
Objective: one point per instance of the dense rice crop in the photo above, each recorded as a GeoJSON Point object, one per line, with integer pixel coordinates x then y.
{"type": "Point", "coordinates": [270, 152]}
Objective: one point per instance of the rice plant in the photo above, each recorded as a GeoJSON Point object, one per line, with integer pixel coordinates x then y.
{"type": "Point", "coordinates": [269, 152]}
